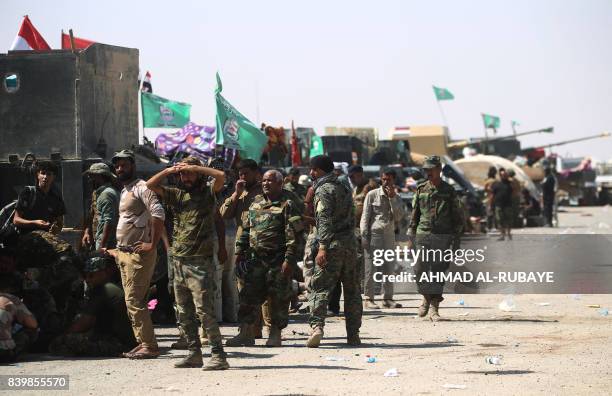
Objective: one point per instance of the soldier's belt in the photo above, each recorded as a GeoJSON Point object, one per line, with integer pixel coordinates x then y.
{"type": "Point", "coordinates": [270, 258]}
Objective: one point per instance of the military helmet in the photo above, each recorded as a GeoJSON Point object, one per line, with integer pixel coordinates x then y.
{"type": "Point", "coordinates": [431, 162]}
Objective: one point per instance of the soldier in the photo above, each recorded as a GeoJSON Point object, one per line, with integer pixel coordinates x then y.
{"type": "Point", "coordinates": [267, 250]}
{"type": "Point", "coordinates": [502, 197]}
{"type": "Point", "coordinates": [102, 327]}
{"type": "Point", "coordinates": [516, 196]}
{"type": "Point", "coordinates": [293, 184]}
{"type": "Point", "coordinates": [14, 341]}
{"type": "Point", "coordinates": [435, 225]}
{"type": "Point", "coordinates": [382, 210]}
{"type": "Point", "coordinates": [141, 221]}
{"type": "Point", "coordinates": [194, 208]}
{"type": "Point", "coordinates": [40, 208]}
{"type": "Point", "coordinates": [549, 185]}
{"type": "Point", "coordinates": [236, 207]}
{"type": "Point", "coordinates": [335, 259]}
{"type": "Point", "coordinates": [490, 205]}
{"type": "Point", "coordinates": [105, 202]}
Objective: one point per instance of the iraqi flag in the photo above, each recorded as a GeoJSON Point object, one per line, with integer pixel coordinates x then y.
{"type": "Point", "coordinates": [28, 38]}
{"type": "Point", "coordinates": [296, 158]}
{"type": "Point", "coordinates": [79, 43]}
{"type": "Point", "coordinates": [146, 83]}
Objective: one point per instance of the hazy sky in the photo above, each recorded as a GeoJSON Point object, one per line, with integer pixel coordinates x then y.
{"type": "Point", "coordinates": [364, 63]}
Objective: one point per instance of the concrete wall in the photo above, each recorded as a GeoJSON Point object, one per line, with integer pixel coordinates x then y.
{"type": "Point", "coordinates": [109, 98]}
{"type": "Point", "coordinates": [66, 102]}
{"type": "Point", "coordinates": [39, 116]}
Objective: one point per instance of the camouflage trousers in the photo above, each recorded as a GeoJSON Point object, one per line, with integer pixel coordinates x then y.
{"type": "Point", "coordinates": [86, 344]}
{"type": "Point", "coordinates": [432, 263]}
{"type": "Point", "coordinates": [23, 338]}
{"type": "Point", "coordinates": [360, 260]}
{"type": "Point", "coordinates": [194, 288]}
{"type": "Point", "coordinates": [341, 265]}
{"type": "Point", "coordinates": [264, 282]}
{"type": "Point", "coordinates": [310, 251]}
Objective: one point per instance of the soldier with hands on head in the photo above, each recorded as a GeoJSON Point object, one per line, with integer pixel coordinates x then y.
{"type": "Point", "coordinates": [194, 207]}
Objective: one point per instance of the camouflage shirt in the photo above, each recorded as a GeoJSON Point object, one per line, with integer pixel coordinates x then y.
{"type": "Point", "coordinates": [194, 220]}
{"type": "Point", "coordinates": [271, 227]}
{"type": "Point", "coordinates": [435, 210]}
{"type": "Point", "coordinates": [359, 194]}
{"type": "Point", "coordinates": [239, 208]}
{"type": "Point", "coordinates": [334, 213]}
{"type": "Point", "coordinates": [297, 189]}
{"type": "Point", "coordinates": [106, 212]}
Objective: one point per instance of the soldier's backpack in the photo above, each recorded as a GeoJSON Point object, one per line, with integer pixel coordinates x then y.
{"type": "Point", "coordinates": [7, 228]}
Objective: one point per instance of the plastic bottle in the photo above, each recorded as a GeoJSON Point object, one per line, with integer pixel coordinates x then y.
{"type": "Point", "coordinates": [496, 360]}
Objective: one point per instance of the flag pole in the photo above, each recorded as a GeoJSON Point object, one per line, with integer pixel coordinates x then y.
{"type": "Point", "coordinates": [486, 139]}
{"type": "Point", "coordinates": [140, 115]}
{"type": "Point", "coordinates": [442, 114]}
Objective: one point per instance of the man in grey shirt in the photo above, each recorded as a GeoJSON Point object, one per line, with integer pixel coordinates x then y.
{"type": "Point", "coordinates": [382, 209]}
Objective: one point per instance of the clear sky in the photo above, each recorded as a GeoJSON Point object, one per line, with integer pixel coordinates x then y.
{"type": "Point", "coordinates": [364, 63]}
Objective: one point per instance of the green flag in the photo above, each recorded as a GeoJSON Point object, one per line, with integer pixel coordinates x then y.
{"type": "Point", "coordinates": [235, 131]}
{"type": "Point", "coordinates": [158, 112]}
{"type": "Point", "coordinates": [443, 94]}
{"type": "Point", "coordinates": [316, 146]}
{"type": "Point", "coordinates": [490, 121]}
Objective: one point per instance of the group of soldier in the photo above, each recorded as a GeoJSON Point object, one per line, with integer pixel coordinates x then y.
{"type": "Point", "coordinates": [332, 227]}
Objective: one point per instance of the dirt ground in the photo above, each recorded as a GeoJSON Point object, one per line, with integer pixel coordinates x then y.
{"type": "Point", "coordinates": [551, 344]}
{"type": "Point", "coordinates": [561, 348]}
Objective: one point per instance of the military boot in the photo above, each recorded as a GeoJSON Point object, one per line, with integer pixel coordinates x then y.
{"type": "Point", "coordinates": [218, 360]}
{"type": "Point", "coordinates": [257, 331]}
{"type": "Point", "coordinates": [193, 359]}
{"type": "Point", "coordinates": [315, 337]}
{"type": "Point", "coordinates": [274, 339]}
{"type": "Point", "coordinates": [353, 339]}
{"type": "Point", "coordinates": [434, 315]}
{"type": "Point", "coordinates": [180, 344]}
{"type": "Point", "coordinates": [424, 308]}
{"type": "Point", "coordinates": [244, 337]}
{"type": "Point", "coordinates": [370, 304]}
{"type": "Point", "coordinates": [204, 337]}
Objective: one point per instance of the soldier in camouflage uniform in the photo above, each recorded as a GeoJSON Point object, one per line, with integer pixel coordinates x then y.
{"type": "Point", "coordinates": [266, 251]}
{"type": "Point", "coordinates": [436, 223]}
{"type": "Point", "coordinates": [236, 207]}
{"type": "Point", "coordinates": [292, 184]}
{"type": "Point", "coordinates": [194, 208]}
{"type": "Point", "coordinates": [51, 264]}
{"type": "Point", "coordinates": [104, 210]}
{"type": "Point", "coordinates": [335, 259]}
{"type": "Point", "coordinates": [102, 327]}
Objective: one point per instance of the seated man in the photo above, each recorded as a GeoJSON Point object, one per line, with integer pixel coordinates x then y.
{"type": "Point", "coordinates": [40, 208]}
{"type": "Point", "coordinates": [102, 328]}
{"type": "Point", "coordinates": [17, 324]}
